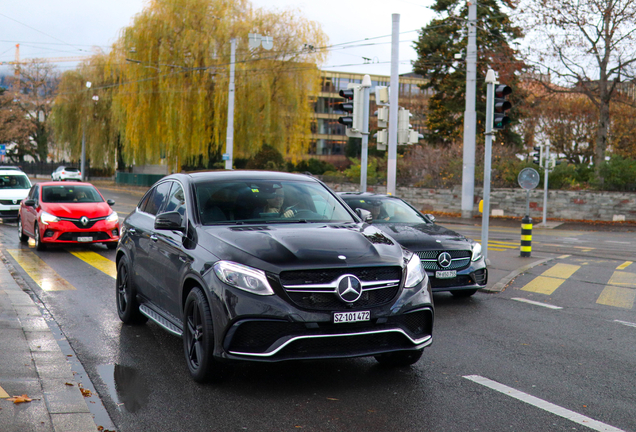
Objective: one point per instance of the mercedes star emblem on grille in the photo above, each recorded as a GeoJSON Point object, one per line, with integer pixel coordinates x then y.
{"type": "Point", "coordinates": [84, 220]}
{"type": "Point", "coordinates": [444, 259]}
{"type": "Point", "coordinates": [349, 288]}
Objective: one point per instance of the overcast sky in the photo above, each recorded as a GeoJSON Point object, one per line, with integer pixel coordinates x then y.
{"type": "Point", "coordinates": [66, 28]}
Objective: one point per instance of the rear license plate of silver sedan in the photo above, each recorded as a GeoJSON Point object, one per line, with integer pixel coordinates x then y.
{"type": "Point", "coordinates": [347, 317]}
{"type": "Point", "coordinates": [446, 274]}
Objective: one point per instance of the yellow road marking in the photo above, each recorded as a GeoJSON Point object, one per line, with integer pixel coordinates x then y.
{"type": "Point", "coordinates": [562, 271]}
{"type": "Point", "coordinates": [551, 279]}
{"type": "Point", "coordinates": [496, 249]}
{"type": "Point", "coordinates": [624, 265]}
{"type": "Point", "coordinates": [618, 296]}
{"type": "Point", "coordinates": [564, 256]}
{"type": "Point", "coordinates": [39, 271]}
{"type": "Point", "coordinates": [99, 262]}
{"type": "Point", "coordinates": [3, 394]}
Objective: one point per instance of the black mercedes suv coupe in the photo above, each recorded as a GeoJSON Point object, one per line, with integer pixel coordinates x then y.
{"type": "Point", "coordinates": [268, 266]}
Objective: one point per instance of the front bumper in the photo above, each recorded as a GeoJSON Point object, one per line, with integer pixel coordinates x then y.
{"type": "Point", "coordinates": [272, 328]}
{"type": "Point", "coordinates": [66, 232]}
{"type": "Point", "coordinates": [9, 211]}
{"type": "Point", "coordinates": [475, 276]}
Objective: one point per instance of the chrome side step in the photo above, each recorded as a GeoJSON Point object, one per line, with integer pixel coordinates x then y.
{"type": "Point", "coordinates": [159, 319]}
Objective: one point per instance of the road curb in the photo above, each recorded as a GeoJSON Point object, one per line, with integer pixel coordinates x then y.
{"type": "Point", "coordinates": [503, 282]}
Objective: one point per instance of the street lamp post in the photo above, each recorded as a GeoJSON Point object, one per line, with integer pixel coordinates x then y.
{"type": "Point", "coordinates": [255, 40]}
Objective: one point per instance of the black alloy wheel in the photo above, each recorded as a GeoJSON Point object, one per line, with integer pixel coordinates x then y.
{"type": "Point", "coordinates": [399, 358]}
{"type": "Point", "coordinates": [39, 246]}
{"type": "Point", "coordinates": [23, 237]}
{"type": "Point", "coordinates": [127, 305]}
{"type": "Point", "coordinates": [198, 338]}
{"type": "Point", "coordinates": [463, 293]}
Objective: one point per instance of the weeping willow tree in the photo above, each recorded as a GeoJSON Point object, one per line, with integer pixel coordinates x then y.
{"type": "Point", "coordinates": [80, 110]}
{"type": "Point", "coordinates": [172, 70]}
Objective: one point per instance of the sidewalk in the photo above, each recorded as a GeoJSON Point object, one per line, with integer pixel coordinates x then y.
{"type": "Point", "coordinates": [32, 364]}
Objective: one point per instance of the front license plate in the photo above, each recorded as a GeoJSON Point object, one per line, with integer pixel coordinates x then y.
{"type": "Point", "coordinates": [84, 239]}
{"type": "Point", "coordinates": [347, 317]}
{"type": "Point", "coordinates": [446, 274]}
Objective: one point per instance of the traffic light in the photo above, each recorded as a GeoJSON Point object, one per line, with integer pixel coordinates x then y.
{"type": "Point", "coordinates": [406, 135]}
{"type": "Point", "coordinates": [500, 120]}
{"type": "Point", "coordinates": [354, 106]}
{"type": "Point", "coordinates": [382, 139]}
{"type": "Point", "coordinates": [537, 157]}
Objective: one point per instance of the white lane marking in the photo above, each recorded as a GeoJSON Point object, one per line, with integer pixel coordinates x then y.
{"type": "Point", "coordinates": [537, 303]}
{"type": "Point", "coordinates": [544, 405]}
{"type": "Point", "coordinates": [619, 242]}
{"type": "Point", "coordinates": [627, 323]}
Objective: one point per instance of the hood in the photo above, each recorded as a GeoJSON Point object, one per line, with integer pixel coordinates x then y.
{"type": "Point", "coordinates": [11, 194]}
{"type": "Point", "coordinates": [289, 246]}
{"type": "Point", "coordinates": [77, 210]}
{"type": "Point", "coordinates": [419, 237]}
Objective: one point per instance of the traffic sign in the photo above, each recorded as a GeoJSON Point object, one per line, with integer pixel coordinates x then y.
{"type": "Point", "coordinates": [3, 149]}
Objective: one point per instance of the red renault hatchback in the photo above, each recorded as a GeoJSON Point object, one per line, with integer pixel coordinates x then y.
{"type": "Point", "coordinates": [63, 213]}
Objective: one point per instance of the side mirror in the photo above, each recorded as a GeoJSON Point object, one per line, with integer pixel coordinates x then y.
{"type": "Point", "coordinates": [29, 202]}
{"type": "Point", "coordinates": [110, 202]}
{"type": "Point", "coordinates": [430, 217]}
{"type": "Point", "coordinates": [169, 221]}
{"type": "Point", "coordinates": [365, 215]}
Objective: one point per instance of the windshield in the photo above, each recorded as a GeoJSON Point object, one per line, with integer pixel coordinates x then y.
{"type": "Point", "coordinates": [11, 181]}
{"type": "Point", "coordinates": [267, 201]}
{"type": "Point", "coordinates": [386, 210]}
{"type": "Point", "coordinates": [70, 194]}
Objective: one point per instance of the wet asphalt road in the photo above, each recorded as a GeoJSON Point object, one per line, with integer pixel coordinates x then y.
{"type": "Point", "coordinates": [580, 358]}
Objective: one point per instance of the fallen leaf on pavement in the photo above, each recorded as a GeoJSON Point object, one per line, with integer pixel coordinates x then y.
{"type": "Point", "coordinates": [85, 392]}
{"type": "Point", "coordinates": [20, 399]}
{"type": "Point", "coordinates": [69, 384]}
{"type": "Point", "coordinates": [331, 398]}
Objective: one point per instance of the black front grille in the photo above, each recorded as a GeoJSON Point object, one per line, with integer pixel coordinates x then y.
{"type": "Point", "coordinates": [460, 280]}
{"type": "Point", "coordinates": [418, 324]}
{"type": "Point", "coordinates": [325, 276]}
{"type": "Point", "coordinates": [257, 336]}
{"type": "Point", "coordinates": [72, 236]}
{"type": "Point", "coordinates": [9, 213]}
{"type": "Point", "coordinates": [346, 346]}
{"type": "Point", "coordinates": [460, 259]}
{"type": "Point", "coordinates": [331, 301]}
{"type": "Point", "coordinates": [10, 202]}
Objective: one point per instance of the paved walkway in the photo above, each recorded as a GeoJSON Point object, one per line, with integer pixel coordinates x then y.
{"type": "Point", "coordinates": [32, 364]}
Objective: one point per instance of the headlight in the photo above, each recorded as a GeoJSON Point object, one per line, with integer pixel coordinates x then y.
{"type": "Point", "coordinates": [47, 218]}
{"type": "Point", "coordinates": [476, 252]}
{"type": "Point", "coordinates": [113, 217]}
{"type": "Point", "coordinates": [414, 272]}
{"type": "Point", "coordinates": [240, 276]}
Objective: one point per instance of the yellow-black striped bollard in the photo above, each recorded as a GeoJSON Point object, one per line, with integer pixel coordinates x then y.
{"type": "Point", "coordinates": [526, 236]}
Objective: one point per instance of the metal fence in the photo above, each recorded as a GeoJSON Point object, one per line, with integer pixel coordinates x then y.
{"type": "Point", "coordinates": [45, 169]}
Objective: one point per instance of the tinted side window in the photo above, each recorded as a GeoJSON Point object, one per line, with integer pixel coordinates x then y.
{"type": "Point", "coordinates": [33, 193]}
{"type": "Point", "coordinates": [157, 198]}
{"type": "Point", "coordinates": [144, 200]}
{"type": "Point", "coordinates": [176, 201]}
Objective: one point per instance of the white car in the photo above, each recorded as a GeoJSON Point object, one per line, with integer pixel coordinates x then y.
{"type": "Point", "coordinates": [14, 187]}
{"type": "Point", "coordinates": [66, 173]}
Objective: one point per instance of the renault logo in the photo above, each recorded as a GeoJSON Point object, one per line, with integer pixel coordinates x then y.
{"type": "Point", "coordinates": [349, 288]}
{"type": "Point", "coordinates": [444, 259]}
{"type": "Point", "coordinates": [84, 220]}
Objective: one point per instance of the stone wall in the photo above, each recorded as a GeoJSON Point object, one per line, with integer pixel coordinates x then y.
{"type": "Point", "coordinates": [578, 205]}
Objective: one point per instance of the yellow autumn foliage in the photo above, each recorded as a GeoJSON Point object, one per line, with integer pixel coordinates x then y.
{"type": "Point", "coordinates": [165, 83]}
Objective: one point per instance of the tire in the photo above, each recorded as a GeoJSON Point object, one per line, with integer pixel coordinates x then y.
{"type": "Point", "coordinates": [111, 246]}
{"type": "Point", "coordinates": [400, 358]}
{"type": "Point", "coordinates": [39, 246]}
{"type": "Point", "coordinates": [127, 305]}
{"type": "Point", "coordinates": [463, 293]}
{"type": "Point", "coordinates": [198, 339]}
{"type": "Point", "coordinates": [23, 237]}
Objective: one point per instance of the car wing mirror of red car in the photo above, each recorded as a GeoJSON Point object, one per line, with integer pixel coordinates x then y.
{"type": "Point", "coordinates": [169, 221]}
{"type": "Point", "coordinates": [110, 202]}
{"type": "Point", "coordinates": [29, 203]}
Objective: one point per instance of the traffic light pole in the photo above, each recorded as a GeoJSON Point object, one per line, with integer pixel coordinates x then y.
{"type": "Point", "coordinates": [470, 116]}
{"type": "Point", "coordinates": [364, 157]}
{"type": "Point", "coordinates": [546, 164]}
{"type": "Point", "coordinates": [490, 107]}
{"type": "Point", "coordinates": [393, 106]}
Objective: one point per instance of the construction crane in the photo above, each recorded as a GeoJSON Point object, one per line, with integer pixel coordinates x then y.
{"type": "Point", "coordinates": [17, 60]}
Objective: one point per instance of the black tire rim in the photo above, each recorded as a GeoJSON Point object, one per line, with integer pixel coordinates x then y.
{"type": "Point", "coordinates": [20, 233]}
{"type": "Point", "coordinates": [194, 335]}
{"type": "Point", "coordinates": [37, 236]}
{"type": "Point", "coordinates": [122, 288]}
